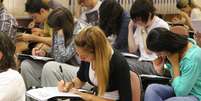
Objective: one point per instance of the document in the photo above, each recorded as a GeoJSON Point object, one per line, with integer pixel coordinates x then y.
{"type": "Point", "coordinates": [129, 55]}
{"type": "Point", "coordinates": [43, 94]}
{"type": "Point", "coordinates": [39, 58]}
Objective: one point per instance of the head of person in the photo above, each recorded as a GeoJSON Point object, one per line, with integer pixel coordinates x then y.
{"type": "Point", "coordinates": [164, 42]}
{"type": "Point", "coordinates": [185, 5]}
{"type": "Point", "coordinates": [7, 51]}
{"type": "Point", "coordinates": [62, 19]}
{"type": "Point", "coordinates": [37, 9]}
{"type": "Point", "coordinates": [110, 13]}
{"type": "Point", "coordinates": [92, 46]}
{"type": "Point", "coordinates": [88, 3]}
{"type": "Point", "coordinates": [142, 12]}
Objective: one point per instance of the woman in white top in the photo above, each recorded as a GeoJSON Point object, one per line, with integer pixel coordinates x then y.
{"type": "Point", "coordinates": [191, 10]}
{"type": "Point", "coordinates": [11, 83]}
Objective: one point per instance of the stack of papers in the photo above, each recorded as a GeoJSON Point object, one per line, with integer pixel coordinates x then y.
{"type": "Point", "coordinates": [43, 94]}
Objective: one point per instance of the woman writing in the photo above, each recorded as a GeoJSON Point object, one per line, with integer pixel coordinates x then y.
{"type": "Point", "coordinates": [101, 66]}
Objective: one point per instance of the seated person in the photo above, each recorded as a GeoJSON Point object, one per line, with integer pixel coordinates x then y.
{"type": "Point", "coordinates": [7, 22]}
{"type": "Point", "coordinates": [11, 83]}
{"type": "Point", "coordinates": [182, 60]}
{"type": "Point", "coordinates": [39, 12]}
{"type": "Point", "coordinates": [114, 22]}
{"type": "Point", "coordinates": [143, 17]}
{"type": "Point", "coordinates": [190, 11]}
{"type": "Point", "coordinates": [52, 3]}
{"type": "Point", "coordinates": [62, 50]}
{"type": "Point", "coordinates": [101, 66]}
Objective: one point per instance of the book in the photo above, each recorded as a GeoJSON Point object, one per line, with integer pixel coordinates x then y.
{"type": "Point", "coordinates": [38, 58]}
{"type": "Point", "coordinates": [92, 17]}
{"type": "Point", "coordinates": [47, 93]}
{"type": "Point", "coordinates": [129, 55]}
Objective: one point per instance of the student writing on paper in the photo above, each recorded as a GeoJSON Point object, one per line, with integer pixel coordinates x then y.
{"type": "Point", "coordinates": [11, 83]}
{"type": "Point", "coordinates": [114, 22]}
{"type": "Point", "coordinates": [190, 10]}
{"type": "Point", "coordinates": [62, 50]}
{"type": "Point", "coordinates": [143, 17]}
{"type": "Point", "coordinates": [101, 66]}
{"type": "Point", "coordinates": [183, 61]}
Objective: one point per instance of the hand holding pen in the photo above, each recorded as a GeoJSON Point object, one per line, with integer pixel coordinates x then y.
{"type": "Point", "coordinates": [62, 85]}
{"type": "Point", "coordinates": [38, 51]}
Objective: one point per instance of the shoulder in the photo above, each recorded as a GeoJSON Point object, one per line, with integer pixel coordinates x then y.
{"type": "Point", "coordinates": [160, 23]}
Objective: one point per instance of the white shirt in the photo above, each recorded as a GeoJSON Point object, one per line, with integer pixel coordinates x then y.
{"type": "Point", "coordinates": [196, 14]}
{"type": "Point", "coordinates": [12, 87]}
{"type": "Point", "coordinates": [96, 8]}
{"type": "Point", "coordinates": [158, 22]}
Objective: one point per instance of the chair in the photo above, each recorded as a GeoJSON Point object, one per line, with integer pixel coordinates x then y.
{"type": "Point", "coordinates": [136, 86]}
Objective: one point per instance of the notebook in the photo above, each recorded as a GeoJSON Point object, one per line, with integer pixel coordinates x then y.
{"type": "Point", "coordinates": [39, 58]}
{"type": "Point", "coordinates": [46, 93]}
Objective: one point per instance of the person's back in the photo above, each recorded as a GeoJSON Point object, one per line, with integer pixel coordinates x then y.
{"type": "Point", "coordinates": [12, 86]}
{"type": "Point", "coordinates": [11, 83]}
{"type": "Point", "coordinates": [7, 22]}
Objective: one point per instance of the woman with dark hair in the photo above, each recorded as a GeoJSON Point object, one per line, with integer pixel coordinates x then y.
{"type": "Point", "coordinates": [143, 17]}
{"type": "Point", "coordinates": [183, 62]}
{"type": "Point", "coordinates": [114, 21]}
{"type": "Point", "coordinates": [11, 83]}
{"type": "Point", "coordinates": [36, 73]}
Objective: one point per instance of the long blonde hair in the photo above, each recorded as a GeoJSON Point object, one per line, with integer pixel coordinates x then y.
{"type": "Point", "coordinates": [94, 41]}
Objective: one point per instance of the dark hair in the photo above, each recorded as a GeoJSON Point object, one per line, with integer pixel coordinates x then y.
{"type": "Point", "coordinates": [62, 18]}
{"type": "Point", "coordinates": [142, 9]}
{"type": "Point", "coordinates": [1, 1]}
{"type": "Point", "coordinates": [161, 39]}
{"type": "Point", "coordinates": [7, 48]}
{"type": "Point", "coordinates": [34, 6]}
{"type": "Point", "coordinates": [110, 13]}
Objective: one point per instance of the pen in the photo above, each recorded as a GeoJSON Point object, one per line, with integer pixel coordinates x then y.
{"type": "Point", "coordinates": [61, 70]}
{"type": "Point", "coordinates": [40, 46]}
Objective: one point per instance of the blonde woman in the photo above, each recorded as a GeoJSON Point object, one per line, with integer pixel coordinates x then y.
{"type": "Point", "coordinates": [101, 66]}
{"type": "Point", "coordinates": [191, 10]}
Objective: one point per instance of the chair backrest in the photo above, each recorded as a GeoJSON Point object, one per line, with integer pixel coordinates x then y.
{"type": "Point", "coordinates": [136, 86]}
{"type": "Point", "coordinates": [180, 30]}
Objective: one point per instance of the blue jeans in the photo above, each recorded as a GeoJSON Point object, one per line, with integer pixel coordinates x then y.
{"type": "Point", "coordinates": [158, 92]}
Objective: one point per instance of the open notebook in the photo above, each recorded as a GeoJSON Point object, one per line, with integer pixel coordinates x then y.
{"type": "Point", "coordinates": [39, 58]}
{"type": "Point", "coordinates": [46, 93]}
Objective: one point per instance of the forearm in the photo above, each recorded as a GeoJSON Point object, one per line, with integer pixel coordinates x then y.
{"type": "Point", "coordinates": [90, 97]}
{"type": "Point", "coordinates": [45, 40]}
{"type": "Point", "coordinates": [176, 71]}
{"type": "Point", "coordinates": [131, 42]}
{"type": "Point", "coordinates": [77, 83]}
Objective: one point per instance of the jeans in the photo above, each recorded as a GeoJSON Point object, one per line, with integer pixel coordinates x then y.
{"type": "Point", "coordinates": [158, 92]}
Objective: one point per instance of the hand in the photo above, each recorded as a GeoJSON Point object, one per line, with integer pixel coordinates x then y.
{"type": "Point", "coordinates": [184, 14]}
{"type": "Point", "coordinates": [37, 31]}
{"type": "Point", "coordinates": [158, 64]}
{"type": "Point", "coordinates": [84, 96]}
{"type": "Point", "coordinates": [197, 38]}
{"type": "Point", "coordinates": [131, 25]}
{"type": "Point", "coordinates": [64, 87]}
{"type": "Point", "coordinates": [38, 52]}
{"type": "Point", "coordinates": [24, 37]}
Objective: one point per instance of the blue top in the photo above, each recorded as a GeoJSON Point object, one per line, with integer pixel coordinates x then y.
{"type": "Point", "coordinates": [189, 82]}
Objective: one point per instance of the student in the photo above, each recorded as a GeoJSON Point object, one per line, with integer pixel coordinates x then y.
{"type": "Point", "coordinates": [7, 22]}
{"type": "Point", "coordinates": [39, 12]}
{"type": "Point", "coordinates": [101, 66]}
{"type": "Point", "coordinates": [114, 22]}
{"type": "Point", "coordinates": [11, 82]}
{"type": "Point", "coordinates": [63, 51]}
{"type": "Point", "coordinates": [143, 17]}
{"type": "Point", "coordinates": [190, 11]}
{"type": "Point", "coordinates": [183, 62]}
{"type": "Point", "coordinates": [90, 15]}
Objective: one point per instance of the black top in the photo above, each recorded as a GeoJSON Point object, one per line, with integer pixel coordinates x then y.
{"type": "Point", "coordinates": [119, 76]}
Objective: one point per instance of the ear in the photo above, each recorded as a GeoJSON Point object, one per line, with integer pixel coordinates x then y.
{"type": "Point", "coordinates": [1, 55]}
